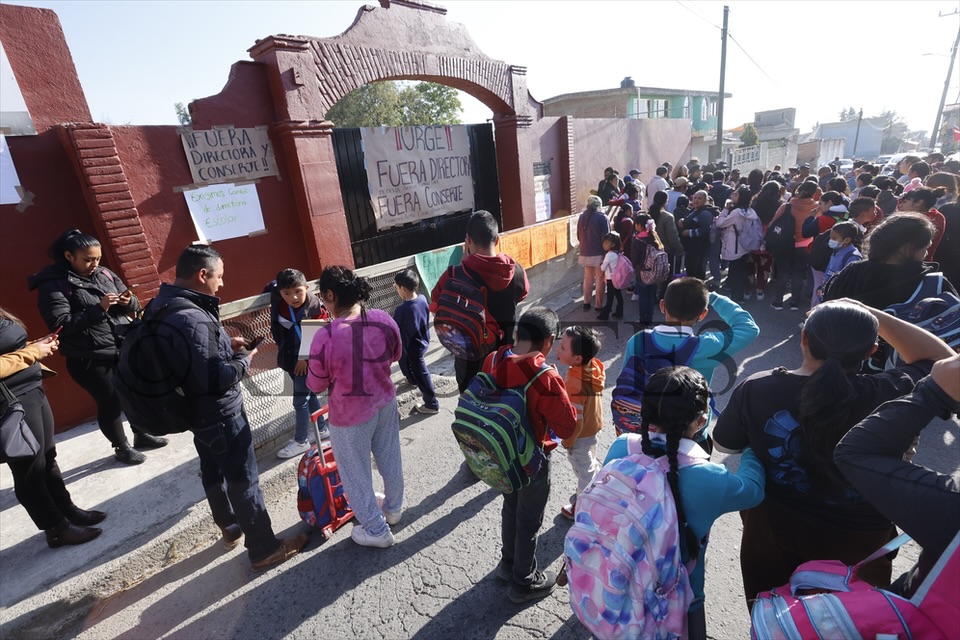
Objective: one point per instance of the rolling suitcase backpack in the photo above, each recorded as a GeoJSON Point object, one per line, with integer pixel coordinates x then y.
{"type": "Point", "coordinates": [320, 498]}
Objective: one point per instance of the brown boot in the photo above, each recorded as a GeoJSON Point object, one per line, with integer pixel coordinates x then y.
{"type": "Point", "coordinates": [67, 533]}
{"type": "Point", "coordinates": [289, 547]}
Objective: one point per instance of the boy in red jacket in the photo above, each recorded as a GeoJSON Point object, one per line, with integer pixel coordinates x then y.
{"type": "Point", "coordinates": [549, 408]}
{"type": "Point", "coordinates": [505, 280]}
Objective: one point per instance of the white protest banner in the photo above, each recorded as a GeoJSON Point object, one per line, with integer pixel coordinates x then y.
{"type": "Point", "coordinates": [417, 172]}
{"type": "Point", "coordinates": [228, 154]}
{"type": "Point", "coordinates": [8, 175]}
{"type": "Point", "coordinates": [225, 211]}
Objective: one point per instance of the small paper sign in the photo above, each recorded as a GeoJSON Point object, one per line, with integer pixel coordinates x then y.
{"type": "Point", "coordinates": [225, 211]}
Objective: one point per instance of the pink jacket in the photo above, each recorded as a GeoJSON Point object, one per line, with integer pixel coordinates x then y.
{"type": "Point", "coordinates": [350, 358]}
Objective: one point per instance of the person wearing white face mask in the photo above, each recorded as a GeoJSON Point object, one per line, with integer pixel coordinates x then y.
{"type": "Point", "coordinates": [842, 238]}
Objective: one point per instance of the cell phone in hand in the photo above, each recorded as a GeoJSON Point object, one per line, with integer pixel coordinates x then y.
{"type": "Point", "coordinates": [256, 342]}
{"type": "Point", "coordinates": [57, 331]}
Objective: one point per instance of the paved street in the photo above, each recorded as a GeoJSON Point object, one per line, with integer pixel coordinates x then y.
{"type": "Point", "coordinates": [438, 580]}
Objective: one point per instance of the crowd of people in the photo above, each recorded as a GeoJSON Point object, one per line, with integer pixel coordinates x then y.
{"type": "Point", "coordinates": [810, 483]}
{"type": "Point", "coordinates": [707, 220]}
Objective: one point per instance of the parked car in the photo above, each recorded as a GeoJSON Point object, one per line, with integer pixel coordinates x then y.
{"type": "Point", "coordinates": [846, 164]}
{"type": "Point", "coordinates": [894, 161]}
{"type": "Point", "coordinates": [882, 161]}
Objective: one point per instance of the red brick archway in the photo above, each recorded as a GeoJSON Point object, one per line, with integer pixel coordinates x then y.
{"type": "Point", "coordinates": [401, 39]}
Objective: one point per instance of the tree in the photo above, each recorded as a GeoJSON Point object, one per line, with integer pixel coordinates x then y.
{"type": "Point", "coordinates": [390, 104]}
{"type": "Point", "coordinates": [847, 114]}
{"type": "Point", "coordinates": [894, 133]}
{"type": "Point", "coordinates": [749, 136]}
{"type": "Point", "coordinates": [183, 116]}
{"type": "Point", "coordinates": [429, 103]}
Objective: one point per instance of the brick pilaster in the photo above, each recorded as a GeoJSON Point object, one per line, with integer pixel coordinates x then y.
{"type": "Point", "coordinates": [93, 152]}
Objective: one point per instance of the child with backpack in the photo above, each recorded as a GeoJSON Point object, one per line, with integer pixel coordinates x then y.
{"type": "Point", "coordinates": [291, 302]}
{"type": "Point", "coordinates": [675, 411]}
{"type": "Point", "coordinates": [351, 359]}
{"type": "Point", "coordinates": [548, 409]}
{"type": "Point", "coordinates": [413, 319]}
{"type": "Point", "coordinates": [584, 380]}
{"type": "Point", "coordinates": [611, 244]}
{"type": "Point", "coordinates": [645, 286]}
{"type": "Point", "coordinates": [685, 303]}
{"type": "Point", "coordinates": [475, 303]}
{"type": "Point", "coordinates": [741, 232]}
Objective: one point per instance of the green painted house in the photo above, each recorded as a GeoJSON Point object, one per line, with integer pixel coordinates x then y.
{"type": "Point", "coordinates": [631, 101]}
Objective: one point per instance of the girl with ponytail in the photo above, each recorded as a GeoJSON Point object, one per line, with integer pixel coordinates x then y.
{"type": "Point", "coordinates": [794, 419]}
{"type": "Point", "coordinates": [350, 359]}
{"type": "Point", "coordinates": [674, 413]}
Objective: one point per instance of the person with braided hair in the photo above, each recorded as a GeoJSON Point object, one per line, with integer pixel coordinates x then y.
{"type": "Point", "coordinates": [674, 413]}
{"type": "Point", "coordinates": [350, 359]}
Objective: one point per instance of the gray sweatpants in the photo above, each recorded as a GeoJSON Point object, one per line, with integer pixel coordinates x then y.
{"type": "Point", "coordinates": [352, 447]}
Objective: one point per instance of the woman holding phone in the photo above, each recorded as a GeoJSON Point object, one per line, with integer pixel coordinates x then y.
{"type": "Point", "coordinates": [37, 481]}
{"type": "Point", "coordinates": [86, 303]}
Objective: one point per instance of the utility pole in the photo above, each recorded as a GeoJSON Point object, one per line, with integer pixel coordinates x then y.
{"type": "Point", "coordinates": [723, 72]}
{"type": "Point", "coordinates": [946, 85]}
{"type": "Point", "coordinates": [856, 138]}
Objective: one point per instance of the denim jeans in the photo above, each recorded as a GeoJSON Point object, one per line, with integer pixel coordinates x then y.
{"type": "Point", "coordinates": [305, 402]}
{"type": "Point", "coordinates": [231, 480]}
{"type": "Point", "coordinates": [647, 293]}
{"type": "Point", "coordinates": [521, 517]}
{"type": "Point", "coordinates": [414, 368]}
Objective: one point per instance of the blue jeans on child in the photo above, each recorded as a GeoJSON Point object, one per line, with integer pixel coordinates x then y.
{"type": "Point", "coordinates": [647, 294]}
{"type": "Point", "coordinates": [414, 369]}
{"type": "Point", "coordinates": [305, 403]}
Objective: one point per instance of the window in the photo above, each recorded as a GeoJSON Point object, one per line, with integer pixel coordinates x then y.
{"type": "Point", "coordinates": [658, 108]}
{"type": "Point", "coordinates": [713, 109]}
{"type": "Point", "coordinates": [705, 109]}
{"type": "Point", "coordinates": [686, 107]}
{"type": "Point", "coordinates": [643, 108]}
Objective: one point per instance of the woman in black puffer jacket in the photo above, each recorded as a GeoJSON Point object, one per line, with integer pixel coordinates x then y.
{"type": "Point", "coordinates": [37, 481]}
{"type": "Point", "coordinates": [88, 302]}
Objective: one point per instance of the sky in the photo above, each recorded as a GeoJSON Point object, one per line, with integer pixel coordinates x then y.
{"type": "Point", "coordinates": [137, 58]}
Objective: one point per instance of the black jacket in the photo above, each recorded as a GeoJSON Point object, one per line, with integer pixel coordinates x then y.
{"type": "Point", "coordinates": [201, 354]}
{"type": "Point", "coordinates": [880, 285]}
{"type": "Point", "coordinates": [73, 302]}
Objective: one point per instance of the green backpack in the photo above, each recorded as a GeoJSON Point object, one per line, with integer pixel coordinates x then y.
{"type": "Point", "coordinates": [493, 430]}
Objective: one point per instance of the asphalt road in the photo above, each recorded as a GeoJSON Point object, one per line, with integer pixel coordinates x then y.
{"type": "Point", "coordinates": [438, 581]}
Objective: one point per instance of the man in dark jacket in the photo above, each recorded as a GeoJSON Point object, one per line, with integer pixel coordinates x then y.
{"type": "Point", "coordinates": [505, 280]}
{"type": "Point", "coordinates": [210, 365]}
{"type": "Point", "coordinates": [695, 236]}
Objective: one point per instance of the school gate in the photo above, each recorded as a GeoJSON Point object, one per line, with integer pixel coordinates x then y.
{"type": "Point", "coordinates": [125, 184]}
{"type": "Point", "coordinates": [371, 246]}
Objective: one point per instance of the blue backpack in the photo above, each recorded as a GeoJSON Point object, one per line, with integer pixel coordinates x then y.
{"type": "Point", "coordinates": [932, 308]}
{"type": "Point", "coordinates": [638, 368]}
{"type": "Point", "coordinates": [493, 430]}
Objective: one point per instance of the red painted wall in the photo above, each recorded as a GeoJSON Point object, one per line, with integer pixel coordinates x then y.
{"type": "Point", "coordinates": [53, 95]}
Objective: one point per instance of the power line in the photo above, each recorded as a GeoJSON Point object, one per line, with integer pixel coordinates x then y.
{"type": "Point", "coordinates": [756, 64]}
{"type": "Point", "coordinates": [697, 15]}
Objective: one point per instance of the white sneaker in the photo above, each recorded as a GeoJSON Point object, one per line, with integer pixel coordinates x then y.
{"type": "Point", "coordinates": [393, 517]}
{"type": "Point", "coordinates": [759, 295]}
{"type": "Point", "coordinates": [634, 297]}
{"type": "Point", "coordinates": [325, 432]}
{"type": "Point", "coordinates": [293, 449]}
{"type": "Point", "coordinates": [364, 539]}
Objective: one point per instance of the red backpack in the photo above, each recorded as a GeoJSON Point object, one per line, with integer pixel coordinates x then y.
{"type": "Point", "coordinates": [463, 323]}
{"type": "Point", "coordinates": [826, 599]}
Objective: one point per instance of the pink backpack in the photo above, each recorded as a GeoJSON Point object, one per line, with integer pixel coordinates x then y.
{"type": "Point", "coordinates": [842, 605]}
{"type": "Point", "coordinates": [623, 273]}
{"type": "Point", "coordinates": [622, 554]}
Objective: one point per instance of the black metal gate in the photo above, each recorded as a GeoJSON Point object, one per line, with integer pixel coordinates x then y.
{"type": "Point", "coordinates": [371, 247]}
